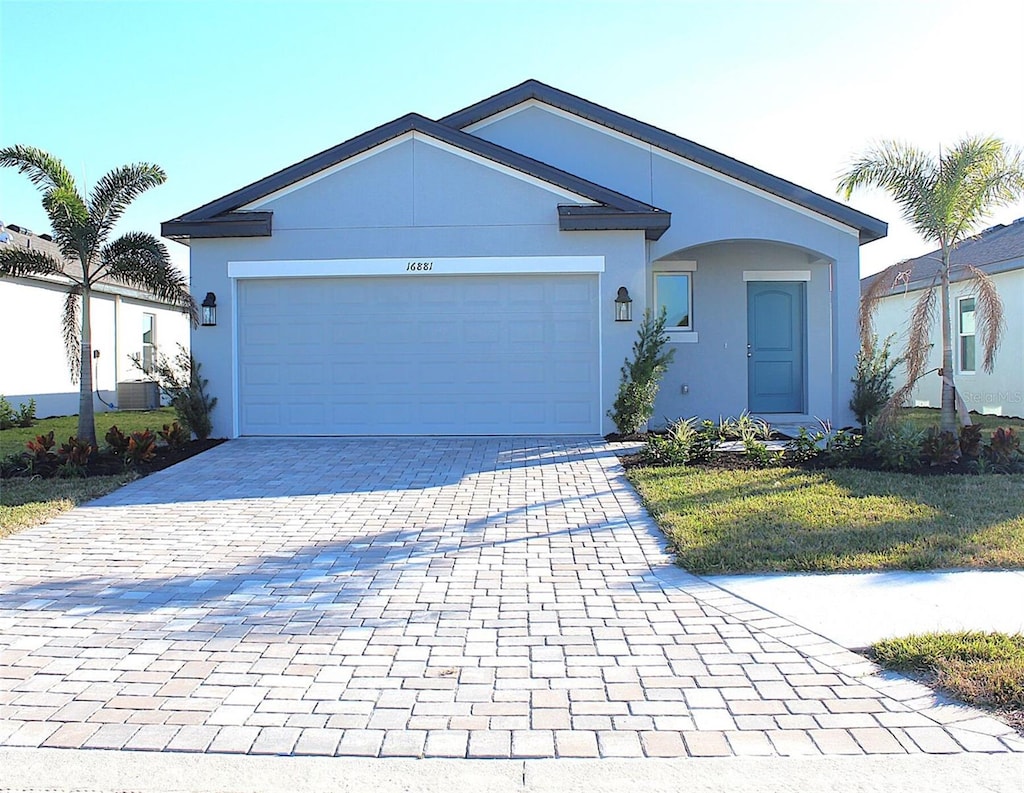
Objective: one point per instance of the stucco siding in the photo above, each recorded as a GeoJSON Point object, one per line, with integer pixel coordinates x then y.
{"type": "Point", "coordinates": [714, 368]}
{"type": "Point", "coordinates": [34, 364]}
{"type": "Point", "coordinates": [455, 225]}
{"type": "Point", "coordinates": [999, 392]}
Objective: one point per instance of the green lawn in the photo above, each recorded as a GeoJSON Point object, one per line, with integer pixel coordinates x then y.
{"type": "Point", "coordinates": [985, 669]}
{"type": "Point", "coordinates": [923, 418]}
{"type": "Point", "coordinates": [787, 519]}
{"type": "Point", "coordinates": [27, 502]}
{"type": "Point", "coordinates": [13, 440]}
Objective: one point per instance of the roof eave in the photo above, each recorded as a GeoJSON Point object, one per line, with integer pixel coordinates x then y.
{"type": "Point", "coordinates": [573, 217]}
{"type": "Point", "coordinates": [232, 224]}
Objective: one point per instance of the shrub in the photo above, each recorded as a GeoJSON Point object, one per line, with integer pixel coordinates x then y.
{"type": "Point", "coordinates": [805, 446]}
{"type": "Point", "coordinates": [117, 441]}
{"type": "Point", "coordinates": [641, 378]}
{"type": "Point", "coordinates": [75, 452]}
{"type": "Point", "coordinates": [939, 447]}
{"type": "Point", "coordinates": [179, 380]}
{"type": "Point", "coordinates": [675, 447]}
{"type": "Point", "coordinates": [174, 435]}
{"type": "Point", "coordinates": [970, 441]}
{"type": "Point", "coordinates": [760, 456]}
{"type": "Point", "coordinates": [897, 447]}
{"type": "Point", "coordinates": [844, 448]}
{"type": "Point", "coordinates": [141, 447]}
{"type": "Point", "coordinates": [706, 439]}
{"type": "Point", "coordinates": [24, 416]}
{"type": "Point", "coordinates": [42, 447]}
{"type": "Point", "coordinates": [1003, 449]}
{"type": "Point", "coordinates": [872, 380]}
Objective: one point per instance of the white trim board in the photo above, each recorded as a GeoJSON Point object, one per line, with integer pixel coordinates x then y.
{"type": "Point", "coordinates": [413, 267]}
{"type": "Point", "coordinates": [652, 150]}
{"type": "Point", "coordinates": [776, 275]}
{"type": "Point", "coordinates": [562, 193]}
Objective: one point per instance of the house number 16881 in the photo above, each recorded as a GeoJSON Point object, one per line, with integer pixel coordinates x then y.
{"type": "Point", "coordinates": [419, 267]}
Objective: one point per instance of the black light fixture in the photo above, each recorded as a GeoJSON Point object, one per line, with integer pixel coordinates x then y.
{"type": "Point", "coordinates": [210, 309]}
{"type": "Point", "coordinates": [623, 306]}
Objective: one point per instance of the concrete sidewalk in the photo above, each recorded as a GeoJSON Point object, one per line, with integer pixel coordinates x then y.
{"type": "Point", "coordinates": [97, 771]}
{"type": "Point", "coordinates": [858, 609]}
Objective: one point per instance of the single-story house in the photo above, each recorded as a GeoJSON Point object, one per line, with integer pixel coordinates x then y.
{"type": "Point", "coordinates": [125, 322]}
{"type": "Point", "coordinates": [468, 275]}
{"type": "Point", "coordinates": [999, 252]}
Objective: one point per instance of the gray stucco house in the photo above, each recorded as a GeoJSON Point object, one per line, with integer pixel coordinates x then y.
{"type": "Point", "coordinates": [459, 276]}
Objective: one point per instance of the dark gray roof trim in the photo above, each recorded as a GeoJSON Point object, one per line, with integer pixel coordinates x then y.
{"type": "Point", "coordinates": [869, 228]}
{"type": "Point", "coordinates": [575, 217]}
{"type": "Point", "coordinates": [995, 250]}
{"type": "Point", "coordinates": [231, 224]}
{"type": "Point", "coordinates": [219, 211]}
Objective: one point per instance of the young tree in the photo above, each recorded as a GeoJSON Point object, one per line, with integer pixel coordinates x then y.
{"type": "Point", "coordinates": [82, 228]}
{"type": "Point", "coordinates": [945, 199]}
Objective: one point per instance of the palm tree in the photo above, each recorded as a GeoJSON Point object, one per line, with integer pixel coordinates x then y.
{"type": "Point", "coordinates": [82, 229]}
{"type": "Point", "coordinates": [945, 200]}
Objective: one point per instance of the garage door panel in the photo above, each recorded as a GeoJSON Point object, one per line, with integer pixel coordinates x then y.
{"type": "Point", "coordinates": [446, 355]}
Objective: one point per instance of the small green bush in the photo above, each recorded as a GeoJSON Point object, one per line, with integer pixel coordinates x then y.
{"type": "Point", "coordinates": [24, 416]}
{"type": "Point", "coordinates": [806, 446]}
{"type": "Point", "coordinates": [897, 447]}
{"type": "Point", "coordinates": [872, 380]}
{"type": "Point", "coordinates": [180, 381]}
{"type": "Point", "coordinates": [641, 377]}
{"type": "Point", "coordinates": [760, 456]}
{"type": "Point", "coordinates": [844, 449]}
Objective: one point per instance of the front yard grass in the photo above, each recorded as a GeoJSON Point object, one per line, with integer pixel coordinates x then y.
{"type": "Point", "coordinates": [13, 440]}
{"type": "Point", "coordinates": [923, 418]}
{"type": "Point", "coordinates": [28, 502]}
{"type": "Point", "coordinates": [984, 669]}
{"type": "Point", "coordinates": [789, 519]}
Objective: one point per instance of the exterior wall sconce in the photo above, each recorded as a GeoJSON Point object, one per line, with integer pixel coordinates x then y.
{"type": "Point", "coordinates": [209, 315]}
{"type": "Point", "coordinates": [623, 306]}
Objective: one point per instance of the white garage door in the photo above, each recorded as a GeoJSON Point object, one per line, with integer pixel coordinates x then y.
{"type": "Point", "coordinates": [478, 355]}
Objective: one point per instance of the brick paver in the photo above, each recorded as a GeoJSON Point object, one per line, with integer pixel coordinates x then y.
{"type": "Point", "coordinates": [437, 597]}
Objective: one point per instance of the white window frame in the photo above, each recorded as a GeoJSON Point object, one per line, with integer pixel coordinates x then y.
{"type": "Point", "coordinates": [960, 335]}
{"type": "Point", "coordinates": [680, 267]}
{"type": "Point", "coordinates": [148, 368]}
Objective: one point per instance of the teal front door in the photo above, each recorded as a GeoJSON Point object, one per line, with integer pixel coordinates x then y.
{"type": "Point", "coordinates": [776, 346]}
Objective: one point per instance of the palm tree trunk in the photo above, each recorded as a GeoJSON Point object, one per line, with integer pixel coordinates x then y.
{"type": "Point", "coordinates": [948, 413]}
{"type": "Point", "coordinates": [86, 419]}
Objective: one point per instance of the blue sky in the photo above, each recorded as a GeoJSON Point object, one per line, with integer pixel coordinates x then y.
{"type": "Point", "coordinates": [223, 92]}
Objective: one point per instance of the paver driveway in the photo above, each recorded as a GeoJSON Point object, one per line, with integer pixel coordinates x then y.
{"type": "Point", "coordinates": [438, 597]}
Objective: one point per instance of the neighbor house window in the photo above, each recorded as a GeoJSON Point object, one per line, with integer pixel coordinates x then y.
{"type": "Point", "coordinates": [966, 333]}
{"type": "Point", "coordinates": [148, 342]}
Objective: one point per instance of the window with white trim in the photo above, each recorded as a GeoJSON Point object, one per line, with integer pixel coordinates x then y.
{"type": "Point", "coordinates": [965, 331]}
{"type": "Point", "coordinates": [673, 291]}
{"type": "Point", "coordinates": [148, 342]}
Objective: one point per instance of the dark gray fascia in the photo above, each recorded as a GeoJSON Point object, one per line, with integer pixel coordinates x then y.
{"type": "Point", "coordinates": [232, 224]}
{"type": "Point", "coordinates": [221, 209]}
{"type": "Point", "coordinates": [576, 217]}
{"type": "Point", "coordinates": [869, 228]}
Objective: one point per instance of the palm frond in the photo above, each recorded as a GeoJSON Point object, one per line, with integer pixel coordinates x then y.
{"type": "Point", "coordinates": [71, 327]}
{"type": "Point", "coordinates": [69, 218]}
{"type": "Point", "coordinates": [878, 289]}
{"type": "Point", "coordinates": [922, 320]}
{"type": "Point", "coordinates": [116, 190]}
{"type": "Point", "coordinates": [989, 314]}
{"type": "Point", "coordinates": [43, 169]}
{"type": "Point", "coordinates": [905, 172]}
{"type": "Point", "coordinates": [140, 260]}
{"type": "Point", "coordinates": [22, 262]}
{"type": "Point", "coordinates": [978, 175]}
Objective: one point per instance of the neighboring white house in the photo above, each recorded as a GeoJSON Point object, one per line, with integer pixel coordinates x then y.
{"type": "Point", "coordinates": [125, 322]}
{"type": "Point", "coordinates": [461, 276]}
{"type": "Point", "coordinates": [998, 251]}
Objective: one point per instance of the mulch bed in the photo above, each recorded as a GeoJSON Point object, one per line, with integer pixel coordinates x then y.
{"type": "Point", "coordinates": [105, 464]}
